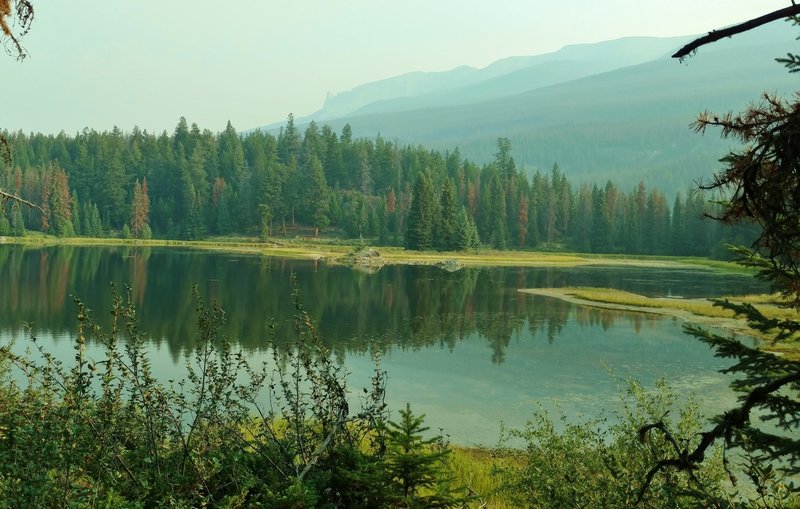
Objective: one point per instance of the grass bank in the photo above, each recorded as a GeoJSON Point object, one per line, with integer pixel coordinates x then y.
{"type": "Point", "coordinates": [333, 251]}
{"type": "Point", "coordinates": [691, 310]}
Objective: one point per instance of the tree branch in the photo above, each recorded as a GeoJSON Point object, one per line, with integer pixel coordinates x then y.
{"type": "Point", "coordinates": [716, 35]}
{"type": "Point", "coordinates": [731, 420]}
{"type": "Point", "coordinates": [4, 197]}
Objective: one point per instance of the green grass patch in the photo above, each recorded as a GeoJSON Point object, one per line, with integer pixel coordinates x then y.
{"type": "Point", "coordinates": [769, 305]}
{"type": "Point", "coordinates": [477, 470]}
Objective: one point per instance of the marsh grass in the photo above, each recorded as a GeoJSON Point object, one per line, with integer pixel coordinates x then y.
{"type": "Point", "coordinates": [769, 305]}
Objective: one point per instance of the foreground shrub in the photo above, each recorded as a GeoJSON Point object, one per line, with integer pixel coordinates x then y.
{"type": "Point", "coordinates": [601, 464]}
{"type": "Point", "coordinates": [105, 432]}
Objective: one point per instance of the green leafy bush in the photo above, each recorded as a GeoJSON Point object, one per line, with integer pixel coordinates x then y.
{"type": "Point", "coordinates": [597, 463]}
{"type": "Point", "coordinates": [107, 433]}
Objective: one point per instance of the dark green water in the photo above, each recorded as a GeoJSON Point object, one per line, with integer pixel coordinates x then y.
{"type": "Point", "coordinates": [464, 348]}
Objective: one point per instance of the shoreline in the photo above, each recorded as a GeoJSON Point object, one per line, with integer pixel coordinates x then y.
{"type": "Point", "coordinates": [667, 307]}
{"type": "Point", "coordinates": [337, 254]}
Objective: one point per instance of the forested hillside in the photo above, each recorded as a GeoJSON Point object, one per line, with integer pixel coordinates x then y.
{"type": "Point", "coordinates": [193, 184]}
{"type": "Point", "coordinates": [616, 110]}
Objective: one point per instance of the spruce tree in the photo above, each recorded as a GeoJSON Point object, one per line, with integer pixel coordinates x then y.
{"type": "Point", "coordinates": [498, 237]}
{"type": "Point", "coordinates": [416, 465]}
{"type": "Point", "coordinates": [419, 235]}
{"type": "Point", "coordinates": [446, 231]}
{"type": "Point", "coordinates": [466, 232]}
{"type": "Point", "coordinates": [17, 221]}
{"type": "Point", "coordinates": [76, 214]}
{"type": "Point", "coordinates": [314, 194]}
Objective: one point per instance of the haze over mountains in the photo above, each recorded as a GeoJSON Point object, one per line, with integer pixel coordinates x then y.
{"type": "Point", "coordinates": [616, 109]}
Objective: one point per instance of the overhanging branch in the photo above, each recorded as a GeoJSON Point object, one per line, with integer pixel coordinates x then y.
{"type": "Point", "coordinates": [733, 419]}
{"type": "Point", "coordinates": [716, 35]}
{"type": "Point", "coordinates": [4, 197]}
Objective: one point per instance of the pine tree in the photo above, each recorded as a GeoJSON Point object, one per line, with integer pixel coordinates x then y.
{"type": "Point", "coordinates": [315, 195]}
{"type": "Point", "coordinates": [190, 218]}
{"type": "Point", "coordinates": [60, 204]}
{"type": "Point", "coordinates": [231, 157]}
{"type": "Point", "coordinates": [111, 195]}
{"type": "Point", "coordinates": [5, 224]}
{"type": "Point", "coordinates": [446, 230]}
{"type": "Point", "coordinates": [265, 223]}
{"type": "Point", "coordinates": [678, 228]}
{"type": "Point", "coordinates": [17, 221]}
{"type": "Point", "coordinates": [76, 214]}
{"type": "Point", "coordinates": [466, 232]}
{"type": "Point", "coordinates": [289, 142]}
{"type": "Point", "coordinates": [498, 238]}
{"type": "Point", "coordinates": [421, 215]}
{"type": "Point", "coordinates": [416, 465]}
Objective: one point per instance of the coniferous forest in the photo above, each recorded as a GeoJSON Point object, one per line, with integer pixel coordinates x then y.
{"type": "Point", "coordinates": [195, 183]}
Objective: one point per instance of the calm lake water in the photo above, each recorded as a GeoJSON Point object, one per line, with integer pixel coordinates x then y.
{"type": "Point", "coordinates": [465, 348]}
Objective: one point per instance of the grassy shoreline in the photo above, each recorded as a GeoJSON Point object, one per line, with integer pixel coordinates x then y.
{"type": "Point", "coordinates": [700, 311]}
{"type": "Point", "coordinates": [333, 252]}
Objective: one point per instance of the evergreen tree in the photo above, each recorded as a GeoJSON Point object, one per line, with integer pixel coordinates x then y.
{"type": "Point", "coordinates": [111, 196]}
{"type": "Point", "coordinates": [421, 215]}
{"type": "Point", "coordinates": [224, 220]}
{"type": "Point", "coordinates": [315, 195]}
{"type": "Point", "coordinates": [416, 465]}
{"type": "Point", "coordinates": [289, 142]}
{"type": "Point", "coordinates": [446, 230]}
{"type": "Point", "coordinates": [583, 222]}
{"type": "Point", "coordinates": [5, 225]}
{"type": "Point", "coordinates": [503, 160]}
{"type": "Point", "coordinates": [466, 232]}
{"type": "Point", "coordinates": [678, 228]}
{"type": "Point", "coordinates": [59, 204]}
{"type": "Point", "coordinates": [17, 221]}
{"type": "Point", "coordinates": [140, 211]}
{"type": "Point", "coordinates": [498, 238]}
{"type": "Point", "coordinates": [76, 215]}
{"type": "Point", "coordinates": [231, 157]}
{"type": "Point", "coordinates": [190, 218]}
{"type": "Point", "coordinates": [265, 224]}
{"type": "Point", "coordinates": [601, 222]}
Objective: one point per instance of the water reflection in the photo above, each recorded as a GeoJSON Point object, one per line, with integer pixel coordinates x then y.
{"type": "Point", "coordinates": [465, 348]}
{"type": "Point", "coordinates": [402, 308]}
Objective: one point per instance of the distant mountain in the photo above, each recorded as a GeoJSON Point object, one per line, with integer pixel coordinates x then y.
{"type": "Point", "coordinates": [618, 109]}
{"type": "Point", "coordinates": [507, 76]}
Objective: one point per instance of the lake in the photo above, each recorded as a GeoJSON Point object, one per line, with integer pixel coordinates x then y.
{"type": "Point", "coordinates": [465, 348]}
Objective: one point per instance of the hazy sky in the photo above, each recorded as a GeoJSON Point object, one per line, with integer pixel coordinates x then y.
{"type": "Point", "coordinates": [148, 62]}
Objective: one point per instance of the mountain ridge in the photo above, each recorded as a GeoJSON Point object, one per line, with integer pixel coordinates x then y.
{"type": "Point", "coordinates": [629, 121]}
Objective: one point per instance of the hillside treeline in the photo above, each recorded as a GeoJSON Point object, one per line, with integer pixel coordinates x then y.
{"type": "Point", "coordinates": [192, 184]}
